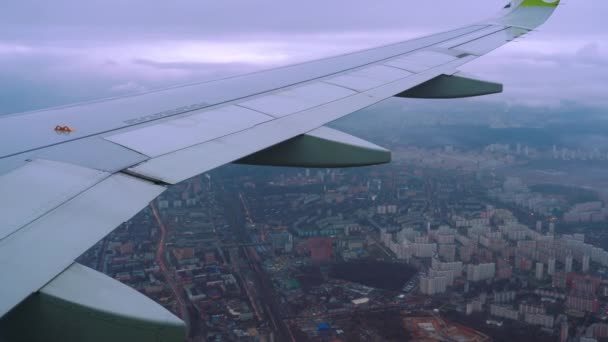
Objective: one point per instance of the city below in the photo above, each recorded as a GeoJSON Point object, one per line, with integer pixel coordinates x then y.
{"type": "Point", "coordinates": [444, 244]}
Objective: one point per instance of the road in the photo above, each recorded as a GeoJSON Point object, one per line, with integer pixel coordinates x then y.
{"type": "Point", "coordinates": [176, 288]}
{"type": "Point", "coordinates": [239, 214]}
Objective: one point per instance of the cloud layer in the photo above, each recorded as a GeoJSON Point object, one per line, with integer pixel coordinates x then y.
{"type": "Point", "coordinates": [65, 51]}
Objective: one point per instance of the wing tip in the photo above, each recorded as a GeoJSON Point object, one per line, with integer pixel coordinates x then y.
{"type": "Point", "coordinates": [537, 3]}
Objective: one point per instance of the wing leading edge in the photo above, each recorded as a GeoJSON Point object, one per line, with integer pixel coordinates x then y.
{"type": "Point", "coordinates": [65, 192]}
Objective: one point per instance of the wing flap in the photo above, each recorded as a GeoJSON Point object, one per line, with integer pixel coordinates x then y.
{"type": "Point", "coordinates": [47, 246]}
{"type": "Point", "coordinates": [322, 147]}
{"type": "Point", "coordinates": [82, 304]}
{"type": "Point", "coordinates": [452, 86]}
{"type": "Point", "coordinates": [38, 187]}
{"type": "Point", "coordinates": [179, 133]}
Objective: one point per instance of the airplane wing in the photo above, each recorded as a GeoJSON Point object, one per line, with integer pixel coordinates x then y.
{"type": "Point", "coordinates": [70, 175]}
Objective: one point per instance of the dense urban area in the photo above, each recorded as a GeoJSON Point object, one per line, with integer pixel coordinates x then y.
{"type": "Point", "coordinates": [500, 241]}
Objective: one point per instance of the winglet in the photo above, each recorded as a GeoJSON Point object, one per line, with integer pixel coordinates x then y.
{"type": "Point", "coordinates": [540, 3]}
{"type": "Point", "coordinates": [528, 14]}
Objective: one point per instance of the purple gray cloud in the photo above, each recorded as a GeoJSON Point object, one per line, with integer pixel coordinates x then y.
{"type": "Point", "coordinates": [63, 51]}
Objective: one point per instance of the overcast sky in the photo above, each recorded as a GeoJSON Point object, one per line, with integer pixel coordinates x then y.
{"type": "Point", "coordinates": [57, 52]}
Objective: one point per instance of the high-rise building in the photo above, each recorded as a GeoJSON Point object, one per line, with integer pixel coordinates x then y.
{"type": "Point", "coordinates": [586, 284]}
{"type": "Point", "coordinates": [598, 330]}
{"type": "Point", "coordinates": [539, 270]}
{"type": "Point", "coordinates": [481, 271]}
{"type": "Point", "coordinates": [568, 264]}
{"type": "Point", "coordinates": [551, 266]}
{"type": "Point", "coordinates": [582, 302]}
{"type": "Point", "coordinates": [539, 319]}
{"type": "Point", "coordinates": [504, 311]}
{"type": "Point", "coordinates": [455, 266]}
{"type": "Point", "coordinates": [563, 332]}
{"type": "Point", "coordinates": [531, 309]}
{"type": "Point", "coordinates": [449, 270]}
{"type": "Point", "coordinates": [504, 296]}
{"type": "Point", "coordinates": [585, 265]}
{"type": "Point", "coordinates": [447, 252]}
{"type": "Point", "coordinates": [431, 285]}
{"type": "Point", "coordinates": [424, 250]}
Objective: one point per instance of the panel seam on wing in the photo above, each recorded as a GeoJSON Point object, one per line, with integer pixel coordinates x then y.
{"type": "Point", "coordinates": [24, 225]}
